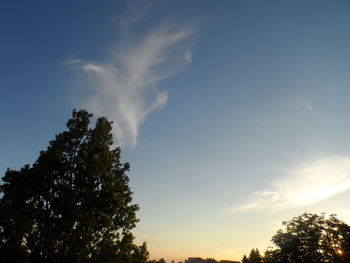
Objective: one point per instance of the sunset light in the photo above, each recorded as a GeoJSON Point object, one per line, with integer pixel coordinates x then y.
{"type": "Point", "coordinates": [175, 131]}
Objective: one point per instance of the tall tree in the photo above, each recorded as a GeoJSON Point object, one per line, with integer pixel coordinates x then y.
{"type": "Point", "coordinates": [73, 204]}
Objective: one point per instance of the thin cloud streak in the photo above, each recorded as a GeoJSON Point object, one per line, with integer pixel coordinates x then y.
{"type": "Point", "coordinates": [136, 11]}
{"type": "Point", "coordinates": [307, 185]}
{"type": "Point", "coordinates": [125, 89]}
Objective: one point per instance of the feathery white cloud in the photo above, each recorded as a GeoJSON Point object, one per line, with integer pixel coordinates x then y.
{"type": "Point", "coordinates": [309, 184]}
{"type": "Point", "coordinates": [125, 89]}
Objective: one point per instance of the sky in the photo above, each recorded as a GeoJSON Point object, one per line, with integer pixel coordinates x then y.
{"type": "Point", "coordinates": [234, 115]}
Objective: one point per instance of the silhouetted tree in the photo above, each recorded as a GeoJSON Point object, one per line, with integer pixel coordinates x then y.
{"type": "Point", "coordinates": [272, 256]}
{"type": "Point", "coordinates": [254, 256]}
{"type": "Point", "coordinates": [140, 254]}
{"type": "Point", "coordinates": [311, 238]}
{"type": "Point", "coordinates": [245, 259]}
{"type": "Point", "coordinates": [73, 204]}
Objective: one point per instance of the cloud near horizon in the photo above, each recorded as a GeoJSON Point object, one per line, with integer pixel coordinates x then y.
{"type": "Point", "coordinates": [125, 89]}
{"type": "Point", "coordinates": [309, 184]}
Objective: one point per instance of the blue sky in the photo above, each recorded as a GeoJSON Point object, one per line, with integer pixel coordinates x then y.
{"type": "Point", "coordinates": [233, 114]}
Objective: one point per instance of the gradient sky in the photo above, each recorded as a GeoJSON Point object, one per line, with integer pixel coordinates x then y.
{"type": "Point", "coordinates": [234, 115]}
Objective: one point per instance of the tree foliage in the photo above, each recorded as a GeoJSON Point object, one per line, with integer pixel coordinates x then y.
{"type": "Point", "coordinates": [245, 259]}
{"type": "Point", "coordinates": [311, 238]}
{"type": "Point", "coordinates": [254, 257]}
{"type": "Point", "coordinates": [73, 204]}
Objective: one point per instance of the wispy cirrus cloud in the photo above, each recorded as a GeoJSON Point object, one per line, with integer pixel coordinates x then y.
{"type": "Point", "coordinates": [125, 88]}
{"type": "Point", "coordinates": [135, 12]}
{"type": "Point", "coordinates": [309, 184]}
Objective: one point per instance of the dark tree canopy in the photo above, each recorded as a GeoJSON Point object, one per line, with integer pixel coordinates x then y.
{"type": "Point", "coordinates": [254, 257]}
{"type": "Point", "coordinates": [311, 238]}
{"type": "Point", "coordinates": [245, 259]}
{"type": "Point", "coordinates": [73, 204]}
